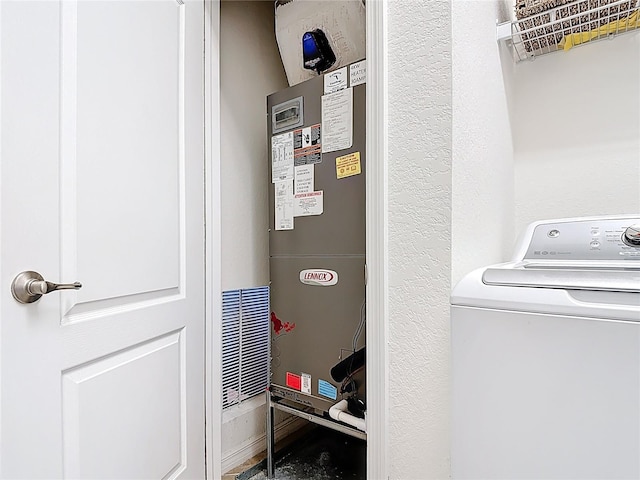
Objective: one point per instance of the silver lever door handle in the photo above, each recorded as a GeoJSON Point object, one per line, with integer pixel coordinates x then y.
{"type": "Point", "coordinates": [29, 286]}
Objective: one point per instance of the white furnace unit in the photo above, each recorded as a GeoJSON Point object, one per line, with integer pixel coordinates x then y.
{"type": "Point", "coordinates": [546, 356]}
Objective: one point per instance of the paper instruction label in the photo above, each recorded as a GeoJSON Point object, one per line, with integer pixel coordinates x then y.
{"type": "Point", "coordinates": [308, 204]}
{"type": "Point", "coordinates": [357, 73]}
{"type": "Point", "coordinates": [348, 165]}
{"type": "Point", "coordinates": [337, 120]}
{"type": "Point", "coordinates": [305, 386]}
{"type": "Point", "coordinates": [304, 179]}
{"type": "Point", "coordinates": [284, 209]}
{"type": "Point", "coordinates": [282, 157]}
{"type": "Point", "coordinates": [336, 80]}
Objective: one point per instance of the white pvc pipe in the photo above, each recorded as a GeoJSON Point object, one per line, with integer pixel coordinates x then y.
{"type": "Point", "coordinates": [339, 412]}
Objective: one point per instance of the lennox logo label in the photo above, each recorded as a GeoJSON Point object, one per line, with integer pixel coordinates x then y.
{"type": "Point", "coordinates": [319, 277]}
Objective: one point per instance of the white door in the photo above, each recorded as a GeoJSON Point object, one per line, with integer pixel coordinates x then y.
{"type": "Point", "coordinates": [101, 182]}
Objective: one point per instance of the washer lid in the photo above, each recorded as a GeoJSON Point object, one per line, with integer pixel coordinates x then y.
{"type": "Point", "coordinates": [598, 276]}
{"type": "Point", "coordinates": [533, 293]}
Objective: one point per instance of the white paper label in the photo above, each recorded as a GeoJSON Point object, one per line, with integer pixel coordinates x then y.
{"type": "Point", "coordinates": [284, 205]}
{"type": "Point", "coordinates": [357, 73]}
{"type": "Point", "coordinates": [304, 182]}
{"type": "Point", "coordinates": [305, 386]}
{"type": "Point", "coordinates": [282, 157]}
{"type": "Point", "coordinates": [336, 80]}
{"type": "Point", "coordinates": [337, 120]}
{"type": "Point", "coordinates": [307, 204]}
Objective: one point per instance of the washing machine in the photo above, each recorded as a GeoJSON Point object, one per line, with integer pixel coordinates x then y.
{"type": "Point", "coordinates": [546, 356]}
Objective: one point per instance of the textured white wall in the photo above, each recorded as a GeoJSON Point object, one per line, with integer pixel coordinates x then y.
{"type": "Point", "coordinates": [250, 69]}
{"type": "Point", "coordinates": [576, 135]}
{"type": "Point", "coordinates": [511, 143]}
{"type": "Point", "coordinates": [419, 203]}
{"type": "Point", "coordinates": [576, 131]}
{"type": "Point", "coordinates": [483, 182]}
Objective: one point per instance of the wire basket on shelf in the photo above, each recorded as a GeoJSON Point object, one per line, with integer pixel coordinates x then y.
{"type": "Point", "coordinates": [543, 26]}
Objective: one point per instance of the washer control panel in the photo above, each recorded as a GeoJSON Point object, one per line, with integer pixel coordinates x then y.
{"type": "Point", "coordinates": [601, 239]}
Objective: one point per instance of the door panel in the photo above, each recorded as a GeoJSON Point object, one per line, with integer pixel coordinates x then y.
{"type": "Point", "coordinates": [341, 228]}
{"type": "Point", "coordinates": [132, 190]}
{"type": "Point", "coordinates": [101, 400]}
{"type": "Point", "coordinates": [324, 320]}
{"type": "Point", "coordinates": [101, 117]}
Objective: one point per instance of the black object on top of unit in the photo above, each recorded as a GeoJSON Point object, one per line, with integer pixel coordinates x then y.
{"type": "Point", "coordinates": [316, 51]}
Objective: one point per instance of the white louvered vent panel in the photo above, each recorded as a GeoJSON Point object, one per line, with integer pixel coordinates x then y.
{"type": "Point", "coordinates": [245, 344]}
{"type": "Point", "coordinates": [255, 341]}
{"type": "Point", "coordinates": [230, 347]}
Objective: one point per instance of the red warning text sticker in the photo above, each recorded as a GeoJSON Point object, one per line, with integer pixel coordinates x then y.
{"type": "Point", "coordinates": [294, 381]}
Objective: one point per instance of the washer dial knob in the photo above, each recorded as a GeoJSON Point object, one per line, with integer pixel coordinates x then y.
{"type": "Point", "coordinates": [631, 235]}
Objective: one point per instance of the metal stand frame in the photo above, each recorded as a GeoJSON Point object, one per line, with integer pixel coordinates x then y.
{"type": "Point", "coordinates": [271, 438]}
{"type": "Point", "coordinates": [273, 404]}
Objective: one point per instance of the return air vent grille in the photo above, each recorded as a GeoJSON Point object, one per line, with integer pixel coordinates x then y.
{"type": "Point", "coordinates": [245, 344]}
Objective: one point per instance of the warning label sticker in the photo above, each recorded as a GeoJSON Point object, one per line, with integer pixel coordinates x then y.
{"type": "Point", "coordinates": [294, 381]}
{"type": "Point", "coordinates": [348, 165]}
{"type": "Point", "coordinates": [307, 204]}
{"type": "Point", "coordinates": [307, 145]}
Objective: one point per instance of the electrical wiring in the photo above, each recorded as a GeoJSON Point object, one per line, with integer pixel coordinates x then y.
{"type": "Point", "coordinates": [348, 380]}
{"type": "Point", "coordinates": [363, 318]}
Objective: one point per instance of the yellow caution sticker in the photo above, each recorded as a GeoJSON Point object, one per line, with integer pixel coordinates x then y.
{"type": "Point", "coordinates": [348, 165]}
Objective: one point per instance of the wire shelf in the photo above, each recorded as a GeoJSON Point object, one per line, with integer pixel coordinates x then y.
{"type": "Point", "coordinates": [568, 25]}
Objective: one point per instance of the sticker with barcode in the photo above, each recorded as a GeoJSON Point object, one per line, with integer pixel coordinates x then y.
{"type": "Point", "coordinates": [306, 383]}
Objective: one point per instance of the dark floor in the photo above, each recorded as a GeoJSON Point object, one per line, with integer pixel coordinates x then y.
{"type": "Point", "coordinates": [322, 454]}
